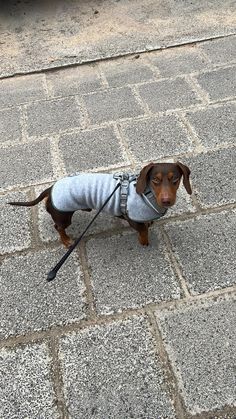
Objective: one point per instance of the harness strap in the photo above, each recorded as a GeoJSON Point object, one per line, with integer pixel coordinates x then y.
{"type": "Point", "coordinates": [148, 198]}
{"type": "Point", "coordinates": [125, 179]}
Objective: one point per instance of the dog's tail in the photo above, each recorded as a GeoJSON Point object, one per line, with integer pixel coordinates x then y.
{"type": "Point", "coordinates": [43, 195]}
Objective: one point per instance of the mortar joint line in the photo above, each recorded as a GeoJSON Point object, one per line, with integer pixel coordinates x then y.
{"type": "Point", "coordinates": [162, 354]}
{"type": "Point", "coordinates": [102, 76]}
{"type": "Point", "coordinates": [84, 115]}
{"type": "Point", "coordinates": [57, 379]}
{"type": "Point", "coordinates": [87, 281]}
{"type": "Point", "coordinates": [142, 104]}
{"type": "Point", "coordinates": [224, 65]}
{"type": "Point", "coordinates": [123, 142]}
{"type": "Point", "coordinates": [58, 166]}
{"type": "Point", "coordinates": [196, 202]}
{"type": "Point", "coordinates": [155, 69]}
{"type": "Point", "coordinates": [227, 412]}
{"type": "Point", "coordinates": [230, 100]}
{"type": "Point", "coordinates": [190, 130]}
{"type": "Point", "coordinates": [223, 101]}
{"type": "Point", "coordinates": [193, 83]}
{"type": "Point", "coordinates": [204, 55]}
{"type": "Point", "coordinates": [49, 88]}
{"type": "Point", "coordinates": [215, 67]}
{"type": "Point", "coordinates": [23, 123]}
{"type": "Point", "coordinates": [201, 212]}
{"type": "Point", "coordinates": [111, 168]}
{"type": "Point", "coordinates": [45, 86]}
{"type": "Point", "coordinates": [175, 264]}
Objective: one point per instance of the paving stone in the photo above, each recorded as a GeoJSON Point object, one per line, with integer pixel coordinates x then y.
{"type": "Point", "coordinates": [126, 71]}
{"type": "Point", "coordinates": [31, 303]}
{"type": "Point", "coordinates": [111, 371]}
{"type": "Point", "coordinates": [25, 164]}
{"type": "Point", "coordinates": [72, 81]}
{"type": "Point", "coordinates": [26, 389]}
{"type": "Point", "coordinates": [21, 90]}
{"type": "Point", "coordinates": [200, 340]}
{"type": "Point", "coordinates": [214, 125]}
{"type": "Point", "coordinates": [221, 50]}
{"type": "Point", "coordinates": [111, 105]}
{"type": "Point", "coordinates": [205, 248]}
{"type": "Point", "coordinates": [168, 94]}
{"type": "Point", "coordinates": [129, 275]}
{"type": "Point", "coordinates": [210, 174]}
{"type": "Point", "coordinates": [90, 149]}
{"type": "Point", "coordinates": [52, 116]}
{"type": "Point", "coordinates": [219, 84]}
{"type": "Point", "coordinates": [10, 128]}
{"type": "Point", "coordinates": [183, 60]}
{"type": "Point", "coordinates": [15, 224]}
{"type": "Point", "coordinates": [154, 138]}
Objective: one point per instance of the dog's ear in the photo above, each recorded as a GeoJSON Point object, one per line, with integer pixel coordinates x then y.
{"type": "Point", "coordinates": [186, 173]}
{"type": "Point", "coordinates": [142, 179]}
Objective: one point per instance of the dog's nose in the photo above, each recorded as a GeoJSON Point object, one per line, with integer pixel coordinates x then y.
{"type": "Point", "coordinates": [166, 202]}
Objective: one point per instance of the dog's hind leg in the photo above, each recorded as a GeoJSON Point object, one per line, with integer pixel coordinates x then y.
{"type": "Point", "coordinates": [65, 239]}
{"type": "Point", "coordinates": [62, 220]}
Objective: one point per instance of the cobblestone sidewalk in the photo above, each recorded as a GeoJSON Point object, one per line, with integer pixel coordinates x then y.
{"type": "Point", "coordinates": [124, 331]}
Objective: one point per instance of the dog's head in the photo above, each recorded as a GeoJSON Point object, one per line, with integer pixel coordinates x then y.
{"type": "Point", "coordinates": [164, 179]}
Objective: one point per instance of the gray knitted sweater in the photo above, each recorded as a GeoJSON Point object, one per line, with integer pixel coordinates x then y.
{"type": "Point", "coordinates": [89, 191]}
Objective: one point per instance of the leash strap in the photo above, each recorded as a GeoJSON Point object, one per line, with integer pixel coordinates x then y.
{"type": "Point", "coordinates": [52, 274]}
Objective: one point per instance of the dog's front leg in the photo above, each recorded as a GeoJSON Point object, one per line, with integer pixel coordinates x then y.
{"type": "Point", "coordinates": [143, 235]}
{"type": "Point", "coordinates": [142, 229]}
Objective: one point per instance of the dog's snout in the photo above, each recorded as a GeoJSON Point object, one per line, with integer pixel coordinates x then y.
{"type": "Point", "coordinates": [165, 199]}
{"type": "Point", "coordinates": [166, 202]}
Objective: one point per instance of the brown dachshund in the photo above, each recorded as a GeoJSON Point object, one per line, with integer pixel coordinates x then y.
{"type": "Point", "coordinates": [162, 179]}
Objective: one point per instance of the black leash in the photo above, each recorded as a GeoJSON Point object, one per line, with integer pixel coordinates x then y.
{"type": "Point", "coordinates": [52, 274]}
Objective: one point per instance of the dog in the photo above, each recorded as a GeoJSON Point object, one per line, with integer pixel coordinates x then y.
{"type": "Point", "coordinates": [141, 199]}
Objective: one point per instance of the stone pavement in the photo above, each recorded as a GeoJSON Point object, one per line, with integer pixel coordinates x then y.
{"type": "Point", "coordinates": [124, 331]}
{"type": "Point", "coordinates": [36, 35]}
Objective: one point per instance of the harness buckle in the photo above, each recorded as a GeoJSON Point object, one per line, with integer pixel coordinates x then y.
{"type": "Point", "coordinates": [121, 176]}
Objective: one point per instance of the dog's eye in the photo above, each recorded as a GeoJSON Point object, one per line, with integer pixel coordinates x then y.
{"type": "Point", "coordinates": [156, 181]}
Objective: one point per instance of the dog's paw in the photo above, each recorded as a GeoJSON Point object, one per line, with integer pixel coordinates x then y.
{"type": "Point", "coordinates": [68, 243]}
{"type": "Point", "coordinates": [143, 241]}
